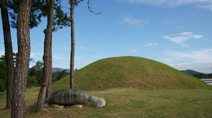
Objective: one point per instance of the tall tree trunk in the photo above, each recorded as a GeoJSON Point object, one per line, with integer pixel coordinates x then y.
{"type": "Point", "coordinates": [46, 57]}
{"type": "Point", "coordinates": [72, 3]}
{"type": "Point", "coordinates": [8, 52]}
{"type": "Point", "coordinates": [49, 87]}
{"type": "Point", "coordinates": [22, 64]}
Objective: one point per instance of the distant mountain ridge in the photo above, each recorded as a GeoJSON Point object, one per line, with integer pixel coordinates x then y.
{"type": "Point", "coordinates": [60, 69]}
{"type": "Point", "coordinates": [198, 74]}
{"type": "Point", "coordinates": [57, 69]}
{"type": "Point", "coordinates": [191, 72]}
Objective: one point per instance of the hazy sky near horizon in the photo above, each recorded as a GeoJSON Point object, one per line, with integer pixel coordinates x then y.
{"type": "Point", "coordinates": [175, 32]}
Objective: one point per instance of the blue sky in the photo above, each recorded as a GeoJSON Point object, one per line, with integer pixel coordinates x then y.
{"type": "Point", "coordinates": [175, 32]}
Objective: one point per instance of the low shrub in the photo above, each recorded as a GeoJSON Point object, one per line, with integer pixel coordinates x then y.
{"type": "Point", "coordinates": [32, 81]}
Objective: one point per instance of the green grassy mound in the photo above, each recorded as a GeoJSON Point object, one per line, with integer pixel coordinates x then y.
{"type": "Point", "coordinates": [133, 72]}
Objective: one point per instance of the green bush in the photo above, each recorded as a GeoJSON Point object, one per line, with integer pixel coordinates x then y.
{"type": "Point", "coordinates": [3, 75]}
{"type": "Point", "coordinates": [2, 85]}
{"type": "Point", "coordinates": [32, 81]}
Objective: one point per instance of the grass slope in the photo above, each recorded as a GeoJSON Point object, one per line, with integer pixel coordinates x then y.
{"type": "Point", "coordinates": [135, 72]}
{"type": "Point", "coordinates": [127, 103]}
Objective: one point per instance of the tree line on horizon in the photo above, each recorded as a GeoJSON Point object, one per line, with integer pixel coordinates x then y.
{"type": "Point", "coordinates": [197, 74]}
{"type": "Point", "coordinates": [35, 75]}
{"type": "Point", "coordinates": [203, 76]}
{"type": "Point", "coordinates": [25, 15]}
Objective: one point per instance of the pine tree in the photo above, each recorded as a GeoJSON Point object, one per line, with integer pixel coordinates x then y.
{"type": "Point", "coordinates": [23, 58]}
{"type": "Point", "coordinates": [8, 51]}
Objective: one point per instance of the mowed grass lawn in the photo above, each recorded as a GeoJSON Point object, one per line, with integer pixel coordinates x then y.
{"type": "Point", "coordinates": [128, 103]}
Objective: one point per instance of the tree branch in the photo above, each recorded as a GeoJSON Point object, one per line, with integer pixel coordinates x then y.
{"type": "Point", "coordinates": [89, 8]}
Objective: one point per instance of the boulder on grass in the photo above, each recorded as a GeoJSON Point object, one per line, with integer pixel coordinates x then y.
{"type": "Point", "coordinates": [46, 102]}
{"type": "Point", "coordinates": [69, 97]}
{"type": "Point", "coordinates": [100, 103]}
{"type": "Point", "coordinates": [93, 98]}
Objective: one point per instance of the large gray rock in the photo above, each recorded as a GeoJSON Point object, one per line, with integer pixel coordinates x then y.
{"type": "Point", "coordinates": [69, 97]}
{"type": "Point", "coordinates": [93, 98]}
{"type": "Point", "coordinates": [99, 103]}
{"type": "Point", "coordinates": [46, 102]}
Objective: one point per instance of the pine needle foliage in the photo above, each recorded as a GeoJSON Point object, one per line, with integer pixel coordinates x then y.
{"type": "Point", "coordinates": [39, 9]}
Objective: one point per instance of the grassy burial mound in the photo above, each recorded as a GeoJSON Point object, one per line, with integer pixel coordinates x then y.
{"type": "Point", "coordinates": [134, 72]}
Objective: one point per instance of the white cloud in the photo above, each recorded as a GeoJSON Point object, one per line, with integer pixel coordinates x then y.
{"type": "Point", "coordinates": [61, 56]}
{"type": "Point", "coordinates": [34, 45]}
{"type": "Point", "coordinates": [82, 62]}
{"type": "Point", "coordinates": [83, 48]}
{"type": "Point", "coordinates": [77, 57]}
{"type": "Point", "coordinates": [1, 52]}
{"type": "Point", "coordinates": [182, 37]}
{"type": "Point", "coordinates": [203, 55]}
{"type": "Point", "coordinates": [94, 53]}
{"type": "Point", "coordinates": [151, 2]}
{"type": "Point", "coordinates": [38, 44]}
{"type": "Point", "coordinates": [204, 67]}
{"type": "Point", "coordinates": [200, 60]}
{"type": "Point", "coordinates": [134, 22]}
{"type": "Point", "coordinates": [66, 48]}
{"type": "Point", "coordinates": [36, 55]}
{"type": "Point", "coordinates": [134, 51]}
{"type": "Point", "coordinates": [151, 44]}
{"type": "Point", "coordinates": [66, 64]}
{"type": "Point", "coordinates": [178, 27]}
{"type": "Point", "coordinates": [207, 4]}
{"type": "Point", "coordinates": [207, 40]}
{"type": "Point", "coordinates": [32, 55]}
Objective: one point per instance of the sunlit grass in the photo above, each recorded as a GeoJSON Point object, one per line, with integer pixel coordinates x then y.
{"type": "Point", "coordinates": [129, 102]}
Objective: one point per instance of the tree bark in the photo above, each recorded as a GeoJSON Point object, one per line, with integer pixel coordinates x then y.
{"type": "Point", "coordinates": [72, 45]}
{"type": "Point", "coordinates": [8, 52]}
{"type": "Point", "coordinates": [22, 64]}
{"type": "Point", "coordinates": [46, 58]}
{"type": "Point", "coordinates": [49, 87]}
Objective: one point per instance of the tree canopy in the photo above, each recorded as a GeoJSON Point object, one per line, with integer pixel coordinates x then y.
{"type": "Point", "coordinates": [39, 9]}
